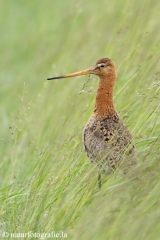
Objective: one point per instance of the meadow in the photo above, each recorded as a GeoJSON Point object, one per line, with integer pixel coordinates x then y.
{"type": "Point", "coordinates": [47, 184]}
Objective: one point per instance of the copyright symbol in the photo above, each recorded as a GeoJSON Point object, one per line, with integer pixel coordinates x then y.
{"type": "Point", "coordinates": [5, 234]}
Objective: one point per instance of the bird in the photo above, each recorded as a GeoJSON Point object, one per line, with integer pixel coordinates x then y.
{"type": "Point", "coordinates": [107, 141]}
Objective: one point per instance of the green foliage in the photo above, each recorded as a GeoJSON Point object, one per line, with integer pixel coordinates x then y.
{"type": "Point", "coordinates": [46, 181]}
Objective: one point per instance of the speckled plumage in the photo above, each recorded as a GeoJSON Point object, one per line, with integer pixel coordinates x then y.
{"type": "Point", "coordinates": [108, 143]}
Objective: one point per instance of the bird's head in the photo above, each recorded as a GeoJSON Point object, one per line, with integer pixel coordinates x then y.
{"type": "Point", "coordinates": [101, 68]}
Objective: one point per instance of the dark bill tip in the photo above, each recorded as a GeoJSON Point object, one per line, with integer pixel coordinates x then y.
{"type": "Point", "coordinates": [53, 78]}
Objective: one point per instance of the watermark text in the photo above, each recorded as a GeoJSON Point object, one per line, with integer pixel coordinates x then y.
{"type": "Point", "coordinates": [38, 235]}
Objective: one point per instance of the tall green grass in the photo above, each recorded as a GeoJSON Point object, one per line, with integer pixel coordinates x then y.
{"type": "Point", "coordinates": [46, 181]}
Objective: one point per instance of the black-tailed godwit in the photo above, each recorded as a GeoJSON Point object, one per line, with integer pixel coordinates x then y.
{"type": "Point", "coordinates": [108, 143]}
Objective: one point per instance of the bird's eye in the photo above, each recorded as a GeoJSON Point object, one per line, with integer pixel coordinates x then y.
{"type": "Point", "coordinates": [101, 65]}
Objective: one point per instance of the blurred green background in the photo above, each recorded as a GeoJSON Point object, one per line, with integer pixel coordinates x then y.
{"type": "Point", "coordinates": [46, 181]}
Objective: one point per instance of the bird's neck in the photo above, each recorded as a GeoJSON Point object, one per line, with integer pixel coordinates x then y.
{"type": "Point", "coordinates": [104, 106]}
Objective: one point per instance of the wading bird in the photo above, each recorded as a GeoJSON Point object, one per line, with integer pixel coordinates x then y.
{"type": "Point", "coordinates": [108, 143]}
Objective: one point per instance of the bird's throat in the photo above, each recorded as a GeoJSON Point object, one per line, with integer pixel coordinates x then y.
{"type": "Point", "coordinates": [104, 99]}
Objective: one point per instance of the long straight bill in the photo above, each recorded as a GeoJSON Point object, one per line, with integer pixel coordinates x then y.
{"type": "Point", "coordinates": [84, 72]}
